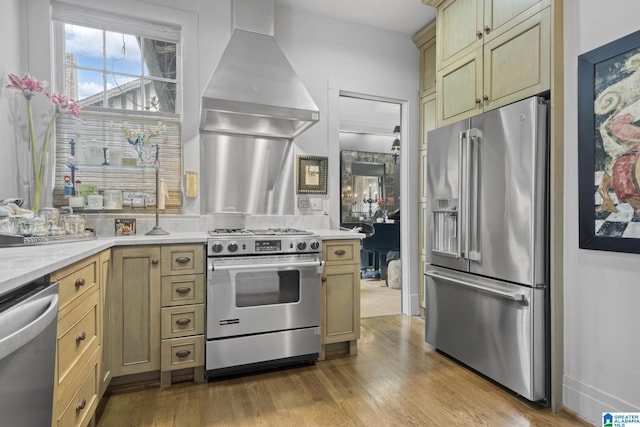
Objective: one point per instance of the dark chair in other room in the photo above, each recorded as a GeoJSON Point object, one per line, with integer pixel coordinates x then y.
{"type": "Point", "coordinates": [383, 245]}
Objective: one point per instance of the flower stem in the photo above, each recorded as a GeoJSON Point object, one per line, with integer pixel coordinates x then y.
{"type": "Point", "coordinates": [35, 205]}
{"type": "Point", "coordinates": [45, 145]}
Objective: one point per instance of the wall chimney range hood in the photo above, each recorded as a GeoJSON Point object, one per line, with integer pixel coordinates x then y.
{"type": "Point", "coordinates": [254, 90]}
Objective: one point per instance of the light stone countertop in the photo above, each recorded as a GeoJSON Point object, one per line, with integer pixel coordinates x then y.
{"type": "Point", "coordinates": [338, 234]}
{"type": "Point", "coordinates": [21, 265]}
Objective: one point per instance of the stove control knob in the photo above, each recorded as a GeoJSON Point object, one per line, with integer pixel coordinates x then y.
{"type": "Point", "coordinates": [302, 245]}
{"type": "Point", "coordinates": [232, 247]}
{"type": "Point", "coordinates": [216, 247]}
{"type": "Point", "coordinates": [314, 244]}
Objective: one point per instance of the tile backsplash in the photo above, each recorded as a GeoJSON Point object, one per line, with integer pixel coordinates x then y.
{"type": "Point", "coordinates": [104, 224]}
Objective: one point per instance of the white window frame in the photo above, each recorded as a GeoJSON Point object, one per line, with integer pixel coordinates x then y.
{"type": "Point", "coordinates": [110, 177]}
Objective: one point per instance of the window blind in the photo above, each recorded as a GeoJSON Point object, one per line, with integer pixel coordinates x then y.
{"type": "Point", "coordinates": [98, 133]}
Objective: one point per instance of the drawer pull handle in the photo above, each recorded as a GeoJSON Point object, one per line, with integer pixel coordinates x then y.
{"type": "Point", "coordinates": [340, 252]}
{"type": "Point", "coordinates": [80, 282]}
{"type": "Point", "coordinates": [81, 404]}
{"type": "Point", "coordinates": [81, 337]}
{"type": "Point", "coordinates": [183, 353]}
{"type": "Point", "coordinates": [183, 260]}
{"type": "Point", "coordinates": [154, 261]}
{"type": "Point", "coordinates": [183, 321]}
{"type": "Point", "coordinates": [183, 290]}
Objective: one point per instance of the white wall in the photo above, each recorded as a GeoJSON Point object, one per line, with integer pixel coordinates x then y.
{"type": "Point", "coordinates": [602, 290]}
{"type": "Point", "coordinates": [328, 55]}
{"type": "Point", "coordinates": [13, 53]}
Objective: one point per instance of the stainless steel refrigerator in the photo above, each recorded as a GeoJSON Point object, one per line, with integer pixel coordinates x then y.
{"type": "Point", "coordinates": [487, 240]}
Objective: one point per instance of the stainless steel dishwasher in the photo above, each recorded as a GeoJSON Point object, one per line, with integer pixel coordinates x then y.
{"type": "Point", "coordinates": [28, 322]}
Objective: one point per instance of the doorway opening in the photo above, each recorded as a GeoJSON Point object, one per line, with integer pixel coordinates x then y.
{"type": "Point", "coordinates": [369, 143]}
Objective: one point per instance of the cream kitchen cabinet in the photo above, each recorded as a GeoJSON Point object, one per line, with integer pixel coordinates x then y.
{"type": "Point", "coordinates": [508, 68]}
{"type": "Point", "coordinates": [489, 54]}
{"type": "Point", "coordinates": [466, 25]}
{"type": "Point", "coordinates": [135, 310]}
{"type": "Point", "coordinates": [425, 41]}
{"type": "Point", "coordinates": [340, 297]}
{"type": "Point", "coordinates": [182, 318]}
{"type": "Point", "coordinates": [104, 260]}
{"type": "Point", "coordinates": [157, 310]}
{"type": "Point", "coordinates": [427, 123]}
{"type": "Point", "coordinates": [78, 345]}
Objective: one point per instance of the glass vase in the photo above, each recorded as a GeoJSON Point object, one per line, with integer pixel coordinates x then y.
{"type": "Point", "coordinates": [146, 155]}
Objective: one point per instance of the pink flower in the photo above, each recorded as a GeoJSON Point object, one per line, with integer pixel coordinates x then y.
{"type": "Point", "coordinates": [64, 104]}
{"type": "Point", "coordinates": [27, 85]}
{"type": "Point", "coordinates": [30, 87]}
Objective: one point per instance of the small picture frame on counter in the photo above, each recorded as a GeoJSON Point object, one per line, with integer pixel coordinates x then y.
{"type": "Point", "coordinates": [125, 226]}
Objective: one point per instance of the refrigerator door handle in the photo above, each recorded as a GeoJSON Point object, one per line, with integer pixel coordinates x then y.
{"type": "Point", "coordinates": [461, 187]}
{"type": "Point", "coordinates": [514, 296]}
{"type": "Point", "coordinates": [473, 156]}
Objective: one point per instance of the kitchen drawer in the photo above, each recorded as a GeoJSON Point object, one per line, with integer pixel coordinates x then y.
{"type": "Point", "coordinates": [182, 321]}
{"type": "Point", "coordinates": [341, 251]}
{"type": "Point", "coordinates": [77, 339]}
{"type": "Point", "coordinates": [80, 407]}
{"type": "Point", "coordinates": [182, 290]}
{"type": "Point", "coordinates": [178, 353]}
{"type": "Point", "coordinates": [76, 280]}
{"type": "Point", "coordinates": [182, 259]}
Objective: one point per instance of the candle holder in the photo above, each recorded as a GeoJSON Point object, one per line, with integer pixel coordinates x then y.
{"type": "Point", "coordinates": [157, 230]}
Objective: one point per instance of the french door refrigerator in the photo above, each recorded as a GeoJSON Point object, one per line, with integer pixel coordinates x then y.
{"type": "Point", "coordinates": [487, 245]}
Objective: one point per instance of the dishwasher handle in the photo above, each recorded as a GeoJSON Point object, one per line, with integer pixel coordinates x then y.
{"type": "Point", "coordinates": [515, 296]}
{"type": "Point", "coordinates": [22, 336]}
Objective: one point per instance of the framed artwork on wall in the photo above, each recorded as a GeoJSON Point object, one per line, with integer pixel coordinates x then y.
{"type": "Point", "coordinates": [609, 146]}
{"type": "Point", "coordinates": [311, 174]}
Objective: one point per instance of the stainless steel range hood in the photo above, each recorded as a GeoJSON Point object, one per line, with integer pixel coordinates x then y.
{"type": "Point", "coordinates": [254, 90]}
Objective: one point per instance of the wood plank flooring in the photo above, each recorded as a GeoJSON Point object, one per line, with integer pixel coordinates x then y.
{"type": "Point", "coordinates": [395, 380]}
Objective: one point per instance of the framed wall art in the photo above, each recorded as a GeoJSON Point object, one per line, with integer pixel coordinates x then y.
{"type": "Point", "coordinates": [311, 174]}
{"type": "Point", "coordinates": [609, 146]}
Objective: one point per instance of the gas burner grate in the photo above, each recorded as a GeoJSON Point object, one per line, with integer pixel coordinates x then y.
{"type": "Point", "coordinates": [229, 232]}
{"type": "Point", "coordinates": [281, 231]}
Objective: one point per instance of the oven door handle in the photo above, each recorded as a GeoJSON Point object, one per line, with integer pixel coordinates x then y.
{"type": "Point", "coordinates": [317, 264]}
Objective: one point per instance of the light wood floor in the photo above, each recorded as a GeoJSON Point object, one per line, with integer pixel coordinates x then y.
{"type": "Point", "coordinates": [377, 299]}
{"type": "Point", "coordinates": [395, 380]}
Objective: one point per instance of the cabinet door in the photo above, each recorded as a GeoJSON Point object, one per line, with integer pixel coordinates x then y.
{"type": "Point", "coordinates": [105, 360]}
{"type": "Point", "coordinates": [460, 89]}
{"type": "Point", "coordinates": [135, 310]}
{"type": "Point", "coordinates": [518, 63]}
{"type": "Point", "coordinates": [501, 15]}
{"type": "Point", "coordinates": [459, 29]}
{"type": "Point", "coordinates": [427, 122]}
{"type": "Point", "coordinates": [340, 319]}
{"type": "Point", "coordinates": [428, 68]}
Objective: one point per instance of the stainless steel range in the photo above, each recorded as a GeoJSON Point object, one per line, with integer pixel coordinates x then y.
{"type": "Point", "coordinates": [263, 299]}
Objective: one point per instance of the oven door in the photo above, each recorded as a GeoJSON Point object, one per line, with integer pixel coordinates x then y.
{"type": "Point", "coordinates": [250, 295]}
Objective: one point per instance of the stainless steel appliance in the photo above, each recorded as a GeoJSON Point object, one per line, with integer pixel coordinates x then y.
{"type": "Point", "coordinates": [487, 245]}
{"type": "Point", "coordinates": [28, 321]}
{"type": "Point", "coordinates": [263, 299]}
{"type": "Point", "coordinates": [252, 108]}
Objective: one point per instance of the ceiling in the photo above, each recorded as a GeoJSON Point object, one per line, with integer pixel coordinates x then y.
{"type": "Point", "coordinates": [403, 16]}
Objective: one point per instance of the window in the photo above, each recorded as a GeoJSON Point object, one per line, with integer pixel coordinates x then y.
{"type": "Point", "coordinates": [119, 70]}
{"type": "Point", "coordinates": [122, 72]}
